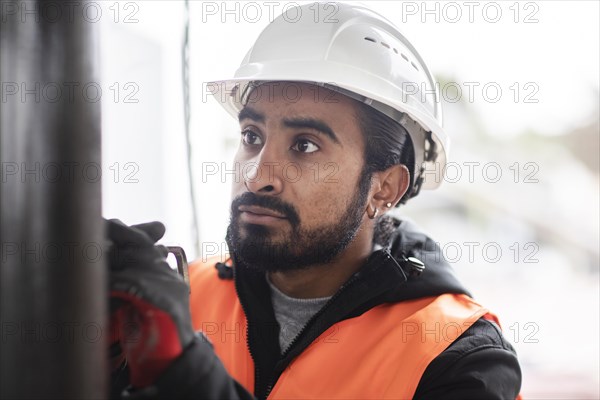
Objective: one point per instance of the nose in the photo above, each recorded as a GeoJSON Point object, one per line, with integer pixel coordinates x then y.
{"type": "Point", "coordinates": [263, 174]}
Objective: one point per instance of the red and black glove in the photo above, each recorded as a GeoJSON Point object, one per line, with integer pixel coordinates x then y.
{"type": "Point", "coordinates": [149, 302]}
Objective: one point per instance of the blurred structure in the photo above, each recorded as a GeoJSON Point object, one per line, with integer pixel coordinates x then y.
{"type": "Point", "coordinates": [52, 274]}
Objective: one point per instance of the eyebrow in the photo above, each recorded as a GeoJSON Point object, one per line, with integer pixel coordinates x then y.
{"type": "Point", "coordinates": [249, 113]}
{"type": "Point", "coordinates": [298, 123]}
{"type": "Point", "coordinates": [312, 123]}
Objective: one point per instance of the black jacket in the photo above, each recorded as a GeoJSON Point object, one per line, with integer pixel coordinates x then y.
{"type": "Point", "coordinates": [480, 364]}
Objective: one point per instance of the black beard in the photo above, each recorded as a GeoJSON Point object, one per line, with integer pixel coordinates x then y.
{"type": "Point", "coordinates": [304, 247]}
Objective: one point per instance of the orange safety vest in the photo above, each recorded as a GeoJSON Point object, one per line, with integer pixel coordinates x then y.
{"type": "Point", "coordinates": [394, 342]}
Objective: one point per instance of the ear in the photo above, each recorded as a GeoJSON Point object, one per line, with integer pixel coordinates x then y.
{"type": "Point", "coordinates": [392, 184]}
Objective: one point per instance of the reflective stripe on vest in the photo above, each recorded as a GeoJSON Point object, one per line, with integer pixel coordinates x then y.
{"type": "Point", "coordinates": [379, 354]}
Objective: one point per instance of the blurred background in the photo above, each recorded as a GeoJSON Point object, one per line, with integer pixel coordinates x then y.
{"type": "Point", "coordinates": [518, 212]}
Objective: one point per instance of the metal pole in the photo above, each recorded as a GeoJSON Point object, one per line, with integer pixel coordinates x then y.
{"type": "Point", "coordinates": [53, 284]}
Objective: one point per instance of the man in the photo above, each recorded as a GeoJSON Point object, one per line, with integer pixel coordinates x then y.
{"type": "Point", "coordinates": [324, 296]}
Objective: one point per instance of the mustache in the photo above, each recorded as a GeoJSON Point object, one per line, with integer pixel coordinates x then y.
{"type": "Point", "coordinates": [272, 203]}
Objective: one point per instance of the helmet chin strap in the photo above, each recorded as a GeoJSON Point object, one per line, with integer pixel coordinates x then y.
{"type": "Point", "coordinates": [430, 155]}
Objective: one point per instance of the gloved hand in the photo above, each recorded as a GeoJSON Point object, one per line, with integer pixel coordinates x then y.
{"type": "Point", "coordinates": [149, 301]}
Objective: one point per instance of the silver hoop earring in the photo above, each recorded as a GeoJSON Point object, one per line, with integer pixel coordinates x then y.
{"type": "Point", "coordinates": [375, 213]}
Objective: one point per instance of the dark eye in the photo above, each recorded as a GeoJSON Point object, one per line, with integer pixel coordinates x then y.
{"type": "Point", "coordinates": [250, 138]}
{"type": "Point", "coordinates": [305, 146]}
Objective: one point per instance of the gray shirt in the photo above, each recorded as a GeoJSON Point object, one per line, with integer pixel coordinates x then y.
{"type": "Point", "coordinates": [292, 313]}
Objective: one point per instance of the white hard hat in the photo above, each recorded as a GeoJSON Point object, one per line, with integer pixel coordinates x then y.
{"type": "Point", "coordinates": [357, 52]}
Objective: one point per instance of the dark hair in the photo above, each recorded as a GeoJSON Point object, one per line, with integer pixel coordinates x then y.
{"type": "Point", "coordinates": [387, 143]}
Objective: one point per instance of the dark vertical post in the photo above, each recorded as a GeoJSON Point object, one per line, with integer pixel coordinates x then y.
{"type": "Point", "coordinates": [52, 287]}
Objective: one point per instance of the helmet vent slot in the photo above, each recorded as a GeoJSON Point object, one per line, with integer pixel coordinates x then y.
{"type": "Point", "coordinates": [387, 46]}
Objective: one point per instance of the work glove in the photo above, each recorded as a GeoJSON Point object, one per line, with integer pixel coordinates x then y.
{"type": "Point", "coordinates": [149, 302]}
